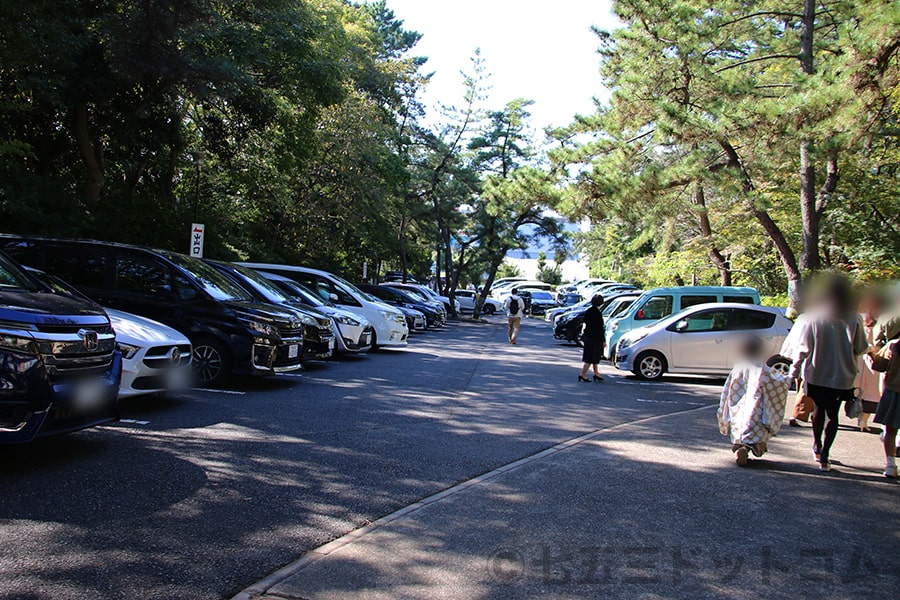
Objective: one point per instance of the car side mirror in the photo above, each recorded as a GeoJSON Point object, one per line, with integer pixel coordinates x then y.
{"type": "Point", "coordinates": [333, 297]}
{"type": "Point", "coordinates": [640, 314]}
{"type": "Point", "coordinates": [681, 326]}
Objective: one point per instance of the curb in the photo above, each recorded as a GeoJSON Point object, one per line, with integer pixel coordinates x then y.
{"type": "Point", "coordinates": [261, 587]}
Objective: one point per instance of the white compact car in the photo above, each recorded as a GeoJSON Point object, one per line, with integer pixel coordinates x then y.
{"type": "Point", "coordinates": [466, 299]}
{"type": "Point", "coordinates": [155, 357]}
{"type": "Point", "coordinates": [703, 339]}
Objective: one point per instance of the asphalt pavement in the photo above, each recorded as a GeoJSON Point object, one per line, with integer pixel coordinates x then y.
{"type": "Point", "coordinates": [494, 474]}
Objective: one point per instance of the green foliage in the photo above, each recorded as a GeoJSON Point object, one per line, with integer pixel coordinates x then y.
{"type": "Point", "coordinates": [507, 269]}
{"type": "Point", "coordinates": [690, 172]}
{"type": "Point", "coordinates": [546, 273]}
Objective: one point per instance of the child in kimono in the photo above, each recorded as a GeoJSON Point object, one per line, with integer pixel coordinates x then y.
{"type": "Point", "coordinates": [753, 402]}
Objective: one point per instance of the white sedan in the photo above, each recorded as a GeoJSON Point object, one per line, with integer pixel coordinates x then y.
{"type": "Point", "coordinates": [155, 357]}
{"type": "Point", "coordinates": [703, 339]}
{"type": "Point", "coordinates": [467, 299]}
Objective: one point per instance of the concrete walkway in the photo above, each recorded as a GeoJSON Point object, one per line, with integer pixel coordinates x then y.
{"type": "Point", "coordinates": [652, 509]}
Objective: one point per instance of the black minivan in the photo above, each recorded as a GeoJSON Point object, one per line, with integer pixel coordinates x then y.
{"type": "Point", "coordinates": [230, 333]}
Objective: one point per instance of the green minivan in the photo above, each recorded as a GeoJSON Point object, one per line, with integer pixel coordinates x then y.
{"type": "Point", "coordinates": [659, 303]}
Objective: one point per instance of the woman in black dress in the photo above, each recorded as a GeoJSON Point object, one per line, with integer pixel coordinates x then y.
{"type": "Point", "coordinates": [594, 336]}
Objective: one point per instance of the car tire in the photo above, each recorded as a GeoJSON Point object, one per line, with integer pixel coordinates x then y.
{"type": "Point", "coordinates": [780, 364]}
{"type": "Point", "coordinates": [211, 361]}
{"type": "Point", "coordinates": [650, 365]}
{"type": "Point", "coordinates": [488, 309]}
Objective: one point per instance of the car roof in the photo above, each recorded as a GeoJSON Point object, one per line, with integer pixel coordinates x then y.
{"type": "Point", "coordinates": [703, 288]}
{"type": "Point", "coordinates": [292, 268]}
{"type": "Point", "coordinates": [87, 242]}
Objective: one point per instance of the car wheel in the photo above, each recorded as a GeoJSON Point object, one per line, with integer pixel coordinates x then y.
{"type": "Point", "coordinates": [780, 364]}
{"type": "Point", "coordinates": [488, 309]}
{"type": "Point", "coordinates": [650, 365]}
{"type": "Point", "coordinates": [211, 361]}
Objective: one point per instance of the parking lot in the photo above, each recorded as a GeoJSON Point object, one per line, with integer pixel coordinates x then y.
{"type": "Point", "coordinates": [198, 494]}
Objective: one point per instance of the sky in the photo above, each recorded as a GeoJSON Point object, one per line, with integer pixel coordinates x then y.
{"type": "Point", "coordinates": [542, 50]}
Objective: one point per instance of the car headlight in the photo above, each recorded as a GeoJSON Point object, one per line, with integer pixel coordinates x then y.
{"type": "Point", "coordinates": [309, 321]}
{"type": "Point", "coordinates": [128, 351]}
{"type": "Point", "coordinates": [627, 342]}
{"type": "Point", "coordinates": [17, 343]}
{"type": "Point", "coordinates": [345, 320]}
{"type": "Point", "coordinates": [393, 316]}
{"type": "Point", "coordinates": [259, 326]}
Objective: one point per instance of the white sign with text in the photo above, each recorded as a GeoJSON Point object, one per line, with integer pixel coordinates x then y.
{"type": "Point", "coordinates": [197, 231]}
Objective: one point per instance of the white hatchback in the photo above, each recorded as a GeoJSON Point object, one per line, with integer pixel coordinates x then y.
{"type": "Point", "coordinates": [155, 357]}
{"type": "Point", "coordinates": [703, 339]}
{"type": "Point", "coordinates": [467, 299]}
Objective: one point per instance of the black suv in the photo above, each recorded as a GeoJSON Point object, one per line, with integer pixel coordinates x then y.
{"type": "Point", "coordinates": [59, 367]}
{"type": "Point", "coordinates": [230, 333]}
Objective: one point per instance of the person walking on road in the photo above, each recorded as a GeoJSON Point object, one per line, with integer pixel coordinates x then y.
{"type": "Point", "coordinates": [868, 381]}
{"type": "Point", "coordinates": [826, 359]}
{"type": "Point", "coordinates": [515, 310]}
{"type": "Point", "coordinates": [593, 340]}
{"type": "Point", "coordinates": [888, 412]}
{"type": "Point", "coordinates": [753, 402]}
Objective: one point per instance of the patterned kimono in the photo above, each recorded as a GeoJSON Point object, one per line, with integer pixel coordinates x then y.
{"type": "Point", "coordinates": [752, 406]}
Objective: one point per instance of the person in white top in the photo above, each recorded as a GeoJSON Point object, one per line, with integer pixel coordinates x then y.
{"type": "Point", "coordinates": [826, 357]}
{"type": "Point", "coordinates": [515, 310]}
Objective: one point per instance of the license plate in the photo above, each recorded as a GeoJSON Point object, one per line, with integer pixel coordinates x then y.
{"type": "Point", "coordinates": [88, 395]}
{"type": "Point", "coordinates": [293, 350]}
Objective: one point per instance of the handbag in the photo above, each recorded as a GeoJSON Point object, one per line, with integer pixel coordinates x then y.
{"type": "Point", "coordinates": [804, 406]}
{"type": "Point", "coordinates": [853, 407]}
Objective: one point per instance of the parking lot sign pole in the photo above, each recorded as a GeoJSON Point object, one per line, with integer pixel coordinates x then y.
{"type": "Point", "coordinates": [197, 232]}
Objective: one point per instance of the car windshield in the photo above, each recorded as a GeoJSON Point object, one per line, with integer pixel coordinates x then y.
{"type": "Point", "coordinates": [13, 278]}
{"type": "Point", "coordinates": [542, 295]}
{"type": "Point", "coordinates": [349, 288]}
{"type": "Point", "coordinates": [57, 285]}
{"type": "Point", "coordinates": [415, 294]}
{"type": "Point", "coordinates": [295, 290]}
{"type": "Point", "coordinates": [619, 307]}
{"type": "Point", "coordinates": [214, 283]}
{"type": "Point", "coordinates": [262, 285]}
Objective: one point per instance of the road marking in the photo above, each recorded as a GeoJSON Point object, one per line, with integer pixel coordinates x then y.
{"type": "Point", "coordinates": [232, 392]}
{"type": "Point", "coordinates": [671, 402]}
{"type": "Point", "coordinates": [134, 422]}
{"type": "Point", "coordinates": [291, 375]}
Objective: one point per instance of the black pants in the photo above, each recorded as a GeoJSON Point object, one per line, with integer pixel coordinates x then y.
{"type": "Point", "coordinates": [826, 415]}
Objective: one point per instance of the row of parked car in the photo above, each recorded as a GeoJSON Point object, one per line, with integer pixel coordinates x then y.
{"type": "Point", "coordinates": [83, 323]}
{"type": "Point", "coordinates": [689, 329]}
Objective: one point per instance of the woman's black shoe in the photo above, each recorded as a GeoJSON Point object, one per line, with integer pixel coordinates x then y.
{"type": "Point", "coordinates": [597, 378]}
{"type": "Point", "coordinates": [584, 379]}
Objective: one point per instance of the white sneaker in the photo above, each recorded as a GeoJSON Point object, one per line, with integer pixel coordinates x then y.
{"type": "Point", "coordinates": [891, 471]}
{"type": "Point", "coordinates": [825, 466]}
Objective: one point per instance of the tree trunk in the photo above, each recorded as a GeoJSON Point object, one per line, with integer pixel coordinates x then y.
{"type": "Point", "coordinates": [404, 261]}
{"type": "Point", "coordinates": [715, 255]}
{"type": "Point", "coordinates": [785, 252]}
{"type": "Point", "coordinates": [91, 156]}
{"type": "Point", "coordinates": [492, 274]}
{"type": "Point", "coordinates": [809, 258]}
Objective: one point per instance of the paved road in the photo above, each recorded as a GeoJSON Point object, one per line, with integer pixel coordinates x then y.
{"type": "Point", "coordinates": [198, 495]}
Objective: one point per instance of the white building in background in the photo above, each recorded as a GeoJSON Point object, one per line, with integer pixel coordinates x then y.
{"type": "Point", "coordinates": [574, 268]}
